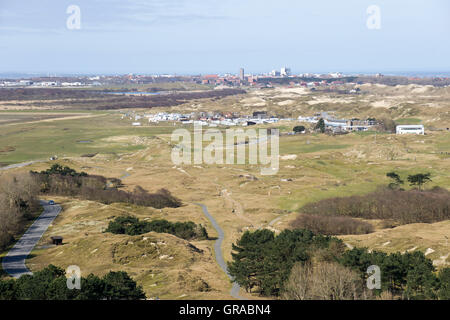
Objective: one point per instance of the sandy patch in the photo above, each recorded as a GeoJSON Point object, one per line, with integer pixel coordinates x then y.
{"type": "Point", "coordinates": [328, 100]}
{"type": "Point", "coordinates": [286, 102]}
{"type": "Point", "coordinates": [253, 102]}
{"type": "Point", "coordinates": [289, 157]}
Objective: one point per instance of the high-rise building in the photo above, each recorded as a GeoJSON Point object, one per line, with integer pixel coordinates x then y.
{"type": "Point", "coordinates": [241, 74]}
{"type": "Point", "coordinates": [285, 71]}
{"type": "Point", "coordinates": [275, 73]}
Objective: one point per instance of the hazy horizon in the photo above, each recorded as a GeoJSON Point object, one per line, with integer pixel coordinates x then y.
{"type": "Point", "coordinates": [199, 36]}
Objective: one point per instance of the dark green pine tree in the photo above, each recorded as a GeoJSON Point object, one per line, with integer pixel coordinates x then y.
{"type": "Point", "coordinates": [320, 125]}
{"type": "Point", "coordinates": [247, 267]}
{"type": "Point", "coordinates": [419, 179]}
{"type": "Point", "coordinates": [119, 286]}
{"type": "Point", "coordinates": [396, 180]}
{"type": "Point", "coordinates": [444, 284]}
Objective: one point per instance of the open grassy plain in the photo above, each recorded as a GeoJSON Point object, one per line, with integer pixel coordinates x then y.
{"type": "Point", "coordinates": [312, 167]}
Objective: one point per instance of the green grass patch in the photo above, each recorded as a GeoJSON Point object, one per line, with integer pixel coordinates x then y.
{"type": "Point", "coordinates": [408, 121]}
{"type": "Point", "coordinates": [45, 139]}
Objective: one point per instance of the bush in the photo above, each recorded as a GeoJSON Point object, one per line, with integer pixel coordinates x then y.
{"type": "Point", "coordinates": [331, 225]}
{"type": "Point", "coordinates": [64, 171]}
{"type": "Point", "coordinates": [132, 226]}
{"type": "Point", "coordinates": [387, 125]}
{"type": "Point", "coordinates": [119, 286]}
{"type": "Point", "coordinates": [299, 129]}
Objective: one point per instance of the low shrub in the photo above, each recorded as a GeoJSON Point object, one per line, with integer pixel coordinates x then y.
{"type": "Point", "coordinates": [132, 226]}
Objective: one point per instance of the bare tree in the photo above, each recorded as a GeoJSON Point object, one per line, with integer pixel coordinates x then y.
{"type": "Point", "coordinates": [17, 199]}
{"type": "Point", "coordinates": [324, 281]}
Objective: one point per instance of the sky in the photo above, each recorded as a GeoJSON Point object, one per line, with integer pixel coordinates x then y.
{"type": "Point", "coordinates": [221, 36]}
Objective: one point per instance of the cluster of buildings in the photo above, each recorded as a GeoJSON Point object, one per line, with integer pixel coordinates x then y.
{"type": "Point", "coordinates": [211, 119]}
{"type": "Point", "coordinates": [228, 79]}
{"type": "Point", "coordinates": [45, 84]}
{"type": "Point", "coordinates": [255, 80]}
{"type": "Point", "coordinates": [284, 72]}
{"type": "Point", "coordinates": [336, 125]}
{"type": "Point", "coordinates": [410, 129]}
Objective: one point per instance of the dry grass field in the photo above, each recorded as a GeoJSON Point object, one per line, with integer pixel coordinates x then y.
{"type": "Point", "coordinates": [312, 167]}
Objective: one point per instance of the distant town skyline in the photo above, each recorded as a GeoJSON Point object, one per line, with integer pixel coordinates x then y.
{"type": "Point", "coordinates": [211, 36]}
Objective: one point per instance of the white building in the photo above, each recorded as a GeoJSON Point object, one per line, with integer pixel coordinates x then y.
{"type": "Point", "coordinates": [285, 72]}
{"type": "Point", "coordinates": [410, 128]}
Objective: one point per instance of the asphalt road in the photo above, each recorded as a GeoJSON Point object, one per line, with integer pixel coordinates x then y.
{"type": "Point", "coordinates": [14, 262]}
{"type": "Point", "coordinates": [218, 250]}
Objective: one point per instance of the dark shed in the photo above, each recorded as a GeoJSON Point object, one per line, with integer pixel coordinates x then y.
{"type": "Point", "coordinates": [57, 240]}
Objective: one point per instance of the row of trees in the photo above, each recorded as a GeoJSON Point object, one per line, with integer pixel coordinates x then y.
{"type": "Point", "coordinates": [165, 100]}
{"type": "Point", "coordinates": [325, 280]}
{"type": "Point", "coordinates": [298, 264]}
{"type": "Point", "coordinates": [132, 226]}
{"type": "Point", "coordinates": [51, 284]}
{"type": "Point", "coordinates": [410, 206]}
{"type": "Point", "coordinates": [19, 195]}
{"type": "Point", "coordinates": [65, 181]}
{"type": "Point", "coordinates": [414, 180]}
{"type": "Point", "coordinates": [18, 203]}
{"type": "Point", "coordinates": [263, 261]}
{"type": "Point", "coordinates": [90, 99]}
{"type": "Point", "coordinates": [408, 275]}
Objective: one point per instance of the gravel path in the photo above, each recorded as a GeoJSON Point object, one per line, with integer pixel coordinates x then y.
{"type": "Point", "coordinates": [218, 250]}
{"type": "Point", "coordinates": [20, 165]}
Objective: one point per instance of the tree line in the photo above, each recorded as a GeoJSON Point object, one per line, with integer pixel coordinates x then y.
{"type": "Point", "coordinates": [262, 262]}
{"type": "Point", "coordinates": [19, 194]}
{"type": "Point", "coordinates": [401, 206]}
{"type": "Point", "coordinates": [166, 100]}
{"type": "Point", "coordinates": [64, 181]}
{"type": "Point", "coordinates": [101, 100]}
{"type": "Point", "coordinates": [18, 205]}
{"type": "Point", "coordinates": [50, 283]}
{"type": "Point", "coordinates": [299, 264]}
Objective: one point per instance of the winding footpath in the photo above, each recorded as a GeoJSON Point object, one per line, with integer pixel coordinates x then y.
{"type": "Point", "coordinates": [20, 165]}
{"type": "Point", "coordinates": [14, 262]}
{"type": "Point", "coordinates": [218, 250]}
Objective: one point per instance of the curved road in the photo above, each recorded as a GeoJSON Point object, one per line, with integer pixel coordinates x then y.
{"type": "Point", "coordinates": [218, 250]}
{"type": "Point", "coordinates": [14, 262]}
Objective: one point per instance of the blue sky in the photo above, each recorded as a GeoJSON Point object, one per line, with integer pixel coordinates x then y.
{"type": "Point", "coordinates": [217, 36]}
